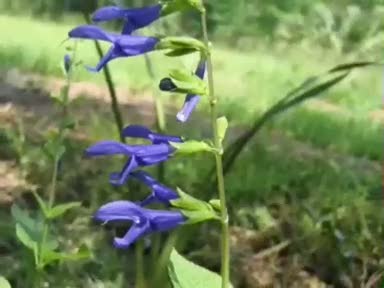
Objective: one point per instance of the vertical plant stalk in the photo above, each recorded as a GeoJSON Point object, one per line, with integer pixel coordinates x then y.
{"type": "Point", "coordinates": [159, 108]}
{"type": "Point", "coordinates": [111, 87]}
{"type": "Point", "coordinates": [140, 278]}
{"type": "Point", "coordinates": [225, 253]}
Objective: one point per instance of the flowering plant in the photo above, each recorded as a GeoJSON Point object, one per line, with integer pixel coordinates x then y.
{"type": "Point", "coordinates": [180, 208]}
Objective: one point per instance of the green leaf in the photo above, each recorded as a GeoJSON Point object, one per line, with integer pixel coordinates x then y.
{"type": "Point", "coordinates": [25, 238]}
{"type": "Point", "coordinates": [222, 126]}
{"type": "Point", "coordinates": [192, 146]}
{"type": "Point", "coordinates": [50, 256]}
{"type": "Point", "coordinates": [30, 230]}
{"type": "Point", "coordinates": [186, 274]}
{"type": "Point", "coordinates": [54, 148]}
{"type": "Point", "coordinates": [60, 209]}
{"type": "Point", "coordinates": [43, 206]}
{"type": "Point", "coordinates": [4, 283]}
{"type": "Point", "coordinates": [310, 88]}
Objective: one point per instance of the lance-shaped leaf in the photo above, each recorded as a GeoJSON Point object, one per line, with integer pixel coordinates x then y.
{"type": "Point", "coordinates": [60, 209]}
{"type": "Point", "coordinates": [310, 88]}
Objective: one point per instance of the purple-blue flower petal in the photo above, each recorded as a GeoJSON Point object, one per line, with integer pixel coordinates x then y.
{"type": "Point", "coordinates": [136, 131]}
{"type": "Point", "coordinates": [160, 193]}
{"type": "Point", "coordinates": [136, 45]}
{"type": "Point", "coordinates": [110, 148]}
{"type": "Point", "coordinates": [156, 150]}
{"type": "Point", "coordinates": [144, 221]}
{"type": "Point", "coordinates": [164, 220]}
{"type": "Point", "coordinates": [118, 179]}
{"type": "Point", "coordinates": [200, 70]}
{"type": "Point", "coordinates": [190, 104]}
{"type": "Point", "coordinates": [134, 18]}
{"type": "Point", "coordinates": [136, 232]}
{"type": "Point", "coordinates": [67, 63]}
{"type": "Point", "coordinates": [108, 13]}
{"type": "Point", "coordinates": [92, 32]}
{"type": "Point", "coordinates": [191, 101]}
{"type": "Point", "coordinates": [152, 160]}
{"type": "Point", "coordinates": [119, 211]}
{"type": "Point", "coordinates": [109, 56]}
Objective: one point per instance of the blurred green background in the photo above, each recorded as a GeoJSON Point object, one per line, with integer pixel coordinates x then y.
{"type": "Point", "coordinates": [311, 177]}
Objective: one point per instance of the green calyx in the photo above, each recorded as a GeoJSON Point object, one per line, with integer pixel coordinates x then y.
{"type": "Point", "coordinates": [194, 209]}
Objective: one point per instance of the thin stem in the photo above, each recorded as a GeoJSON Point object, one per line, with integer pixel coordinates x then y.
{"type": "Point", "coordinates": [162, 262]}
{"type": "Point", "coordinates": [111, 87]}
{"type": "Point", "coordinates": [160, 116]}
{"type": "Point", "coordinates": [139, 252]}
{"type": "Point", "coordinates": [225, 257]}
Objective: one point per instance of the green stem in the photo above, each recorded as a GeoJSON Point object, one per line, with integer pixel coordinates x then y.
{"type": "Point", "coordinates": [160, 116]}
{"type": "Point", "coordinates": [162, 262]}
{"type": "Point", "coordinates": [111, 87]}
{"type": "Point", "coordinates": [139, 252]}
{"type": "Point", "coordinates": [225, 256]}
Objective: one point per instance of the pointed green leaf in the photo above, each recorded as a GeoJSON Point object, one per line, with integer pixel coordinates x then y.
{"type": "Point", "coordinates": [192, 146]}
{"type": "Point", "coordinates": [50, 256]}
{"type": "Point", "coordinates": [186, 274]}
{"type": "Point", "coordinates": [4, 283]}
{"type": "Point", "coordinates": [43, 206]}
{"type": "Point", "coordinates": [30, 229]}
{"type": "Point", "coordinates": [25, 238]}
{"type": "Point", "coordinates": [60, 209]}
{"type": "Point", "coordinates": [222, 126]}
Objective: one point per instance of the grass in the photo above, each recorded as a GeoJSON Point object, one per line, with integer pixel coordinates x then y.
{"type": "Point", "coordinates": [247, 82]}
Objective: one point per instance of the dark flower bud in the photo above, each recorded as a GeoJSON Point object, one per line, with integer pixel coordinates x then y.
{"type": "Point", "coordinates": [167, 84]}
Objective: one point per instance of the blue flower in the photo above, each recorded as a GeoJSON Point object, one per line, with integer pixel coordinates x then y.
{"type": "Point", "coordinates": [191, 100]}
{"type": "Point", "coordinates": [138, 131]}
{"type": "Point", "coordinates": [160, 193]}
{"type": "Point", "coordinates": [134, 19]}
{"type": "Point", "coordinates": [140, 156]}
{"type": "Point", "coordinates": [144, 221]}
{"type": "Point", "coordinates": [122, 45]}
